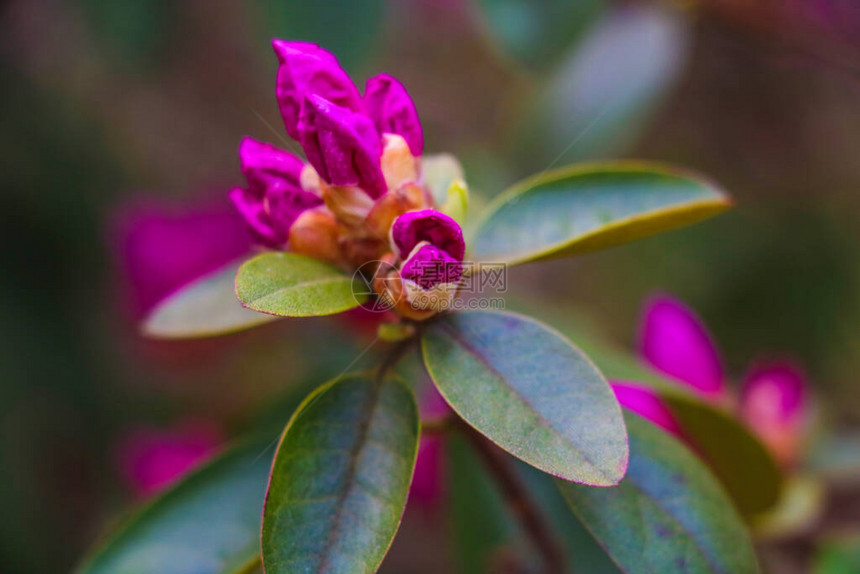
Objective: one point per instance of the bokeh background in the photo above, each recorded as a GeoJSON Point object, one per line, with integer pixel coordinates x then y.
{"type": "Point", "coordinates": [109, 105]}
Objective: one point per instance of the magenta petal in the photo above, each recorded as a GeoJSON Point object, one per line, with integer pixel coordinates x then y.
{"type": "Point", "coordinates": [392, 111]}
{"type": "Point", "coordinates": [645, 403]}
{"type": "Point", "coordinates": [306, 69]}
{"type": "Point", "coordinates": [286, 203]}
{"type": "Point", "coordinates": [252, 209]}
{"type": "Point", "coordinates": [774, 392]}
{"type": "Point", "coordinates": [342, 145]}
{"type": "Point", "coordinates": [150, 459]}
{"type": "Point", "coordinates": [430, 266]}
{"type": "Point", "coordinates": [675, 341]}
{"type": "Point", "coordinates": [774, 404]}
{"type": "Point", "coordinates": [161, 247]}
{"type": "Point", "coordinates": [428, 225]}
{"type": "Point", "coordinates": [428, 480]}
{"type": "Point", "coordinates": [262, 162]}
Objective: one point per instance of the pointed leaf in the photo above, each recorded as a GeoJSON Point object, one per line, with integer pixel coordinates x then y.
{"type": "Point", "coordinates": [208, 523]}
{"type": "Point", "coordinates": [667, 515]}
{"type": "Point", "coordinates": [588, 207]}
{"type": "Point", "coordinates": [291, 285]}
{"type": "Point", "coordinates": [340, 478]}
{"type": "Point", "coordinates": [204, 308]}
{"type": "Point", "coordinates": [530, 391]}
{"type": "Point", "coordinates": [737, 457]}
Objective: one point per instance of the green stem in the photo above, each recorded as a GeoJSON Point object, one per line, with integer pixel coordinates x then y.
{"type": "Point", "coordinates": [518, 501]}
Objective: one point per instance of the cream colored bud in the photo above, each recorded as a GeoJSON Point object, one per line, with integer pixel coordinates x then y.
{"type": "Point", "coordinates": [350, 205]}
{"type": "Point", "coordinates": [315, 234]}
{"type": "Point", "coordinates": [408, 197]}
{"type": "Point", "coordinates": [309, 179]}
{"type": "Point", "coordinates": [398, 164]}
{"type": "Point", "coordinates": [436, 299]}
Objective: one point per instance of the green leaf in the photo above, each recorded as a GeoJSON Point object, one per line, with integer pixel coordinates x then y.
{"type": "Point", "coordinates": [340, 478]}
{"type": "Point", "coordinates": [536, 32]}
{"type": "Point", "coordinates": [440, 171]}
{"type": "Point", "coordinates": [290, 285]}
{"type": "Point", "coordinates": [738, 458]}
{"type": "Point", "coordinates": [583, 112]}
{"type": "Point", "coordinates": [799, 507]}
{"type": "Point", "coordinates": [209, 523]}
{"type": "Point", "coordinates": [839, 556]}
{"type": "Point", "coordinates": [530, 391]}
{"type": "Point", "coordinates": [741, 462]}
{"type": "Point", "coordinates": [667, 515]}
{"type": "Point", "coordinates": [206, 307]}
{"type": "Point", "coordinates": [588, 207]}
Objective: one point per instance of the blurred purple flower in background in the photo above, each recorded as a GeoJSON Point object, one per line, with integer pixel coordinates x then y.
{"type": "Point", "coordinates": [150, 458]}
{"type": "Point", "coordinates": [161, 246]}
{"type": "Point", "coordinates": [428, 480]}
{"type": "Point", "coordinates": [674, 341]}
{"type": "Point", "coordinates": [774, 403]}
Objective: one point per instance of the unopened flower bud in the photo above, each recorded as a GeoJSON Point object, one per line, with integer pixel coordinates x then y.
{"type": "Point", "coordinates": [263, 162]}
{"type": "Point", "coordinates": [392, 110]}
{"type": "Point", "coordinates": [647, 404]}
{"type": "Point", "coordinates": [350, 204]}
{"type": "Point", "coordinates": [342, 145]}
{"type": "Point", "coordinates": [399, 166]}
{"type": "Point", "coordinates": [306, 69]}
{"type": "Point", "coordinates": [250, 207]}
{"type": "Point", "coordinates": [408, 197]}
{"type": "Point", "coordinates": [774, 403]}
{"type": "Point", "coordinates": [431, 278]}
{"type": "Point", "coordinates": [431, 226]}
{"type": "Point", "coordinates": [315, 234]}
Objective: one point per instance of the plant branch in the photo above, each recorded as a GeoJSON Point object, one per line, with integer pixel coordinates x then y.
{"type": "Point", "coordinates": [394, 357]}
{"type": "Point", "coordinates": [519, 503]}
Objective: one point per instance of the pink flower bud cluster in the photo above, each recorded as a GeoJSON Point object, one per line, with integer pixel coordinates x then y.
{"type": "Point", "coordinates": [360, 197]}
{"type": "Point", "coordinates": [773, 399]}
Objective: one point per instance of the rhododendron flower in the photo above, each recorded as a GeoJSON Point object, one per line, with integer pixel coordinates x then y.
{"type": "Point", "coordinates": [646, 403]}
{"type": "Point", "coordinates": [161, 247]}
{"type": "Point", "coordinates": [361, 197]}
{"type": "Point", "coordinates": [774, 404]}
{"type": "Point", "coordinates": [274, 198]}
{"type": "Point", "coordinates": [151, 458]}
{"type": "Point", "coordinates": [675, 342]}
{"type": "Point", "coordinates": [429, 477]}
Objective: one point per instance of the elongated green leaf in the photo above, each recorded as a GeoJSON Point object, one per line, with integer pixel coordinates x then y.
{"type": "Point", "coordinates": [737, 457]}
{"type": "Point", "coordinates": [530, 391]}
{"type": "Point", "coordinates": [584, 113]}
{"type": "Point", "coordinates": [209, 523]}
{"type": "Point", "coordinates": [204, 308]}
{"type": "Point", "coordinates": [589, 207]}
{"type": "Point", "coordinates": [667, 515]}
{"type": "Point", "coordinates": [340, 478]}
{"type": "Point", "coordinates": [536, 32]}
{"type": "Point", "coordinates": [290, 285]}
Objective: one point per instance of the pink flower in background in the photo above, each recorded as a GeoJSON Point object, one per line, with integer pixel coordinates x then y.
{"type": "Point", "coordinates": [150, 458]}
{"type": "Point", "coordinates": [774, 403]}
{"type": "Point", "coordinates": [161, 246]}
{"type": "Point", "coordinates": [428, 479]}
{"type": "Point", "coordinates": [645, 403]}
{"type": "Point", "coordinates": [674, 341]}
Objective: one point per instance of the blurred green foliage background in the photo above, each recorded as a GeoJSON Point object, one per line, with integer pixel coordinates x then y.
{"type": "Point", "coordinates": [104, 100]}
